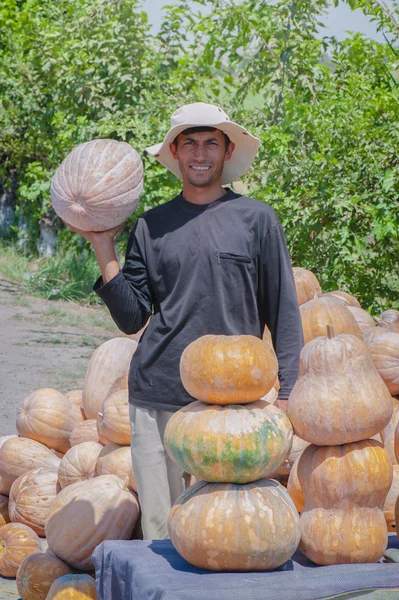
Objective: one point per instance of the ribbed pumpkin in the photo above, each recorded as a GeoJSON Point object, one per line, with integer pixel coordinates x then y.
{"type": "Point", "coordinates": [5, 481]}
{"type": "Point", "coordinates": [73, 587]}
{"type": "Point", "coordinates": [103, 508]}
{"type": "Point", "coordinates": [388, 433]}
{"type": "Point", "coordinates": [396, 442]}
{"type": "Point", "coordinates": [343, 297]}
{"type": "Point", "coordinates": [235, 443]}
{"type": "Point", "coordinates": [345, 488]}
{"type": "Point", "coordinates": [79, 463]}
{"type": "Point", "coordinates": [4, 514]}
{"type": "Point", "coordinates": [75, 397]}
{"type": "Point", "coordinates": [98, 185]}
{"type": "Point", "coordinates": [19, 455]}
{"type": "Point", "coordinates": [339, 396]}
{"type": "Point", "coordinates": [370, 333]}
{"type": "Point", "coordinates": [384, 350]}
{"type": "Point", "coordinates": [390, 501]}
{"type": "Point", "coordinates": [109, 362]}
{"type": "Point", "coordinates": [223, 369]}
{"type": "Point", "coordinates": [307, 285]}
{"type": "Point", "coordinates": [294, 487]}
{"type": "Point", "coordinates": [121, 383]}
{"type": "Point", "coordinates": [87, 432]}
{"type": "Point", "coordinates": [37, 573]}
{"type": "Point", "coordinates": [17, 541]}
{"type": "Point", "coordinates": [298, 446]}
{"type": "Point", "coordinates": [320, 312]}
{"type": "Point", "coordinates": [48, 417]}
{"type": "Point", "coordinates": [113, 420]}
{"type": "Point", "coordinates": [31, 496]}
{"type": "Point", "coordinates": [117, 460]}
{"type": "Point", "coordinates": [362, 318]}
{"type": "Point", "coordinates": [391, 317]}
{"type": "Point", "coordinates": [229, 527]}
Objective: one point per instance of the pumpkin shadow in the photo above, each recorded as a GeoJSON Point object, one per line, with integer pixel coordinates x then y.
{"type": "Point", "coordinates": [169, 553]}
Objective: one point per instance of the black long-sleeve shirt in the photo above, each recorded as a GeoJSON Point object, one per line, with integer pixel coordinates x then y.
{"type": "Point", "coordinates": [221, 268]}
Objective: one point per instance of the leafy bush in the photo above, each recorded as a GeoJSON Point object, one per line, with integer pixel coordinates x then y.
{"type": "Point", "coordinates": [72, 70]}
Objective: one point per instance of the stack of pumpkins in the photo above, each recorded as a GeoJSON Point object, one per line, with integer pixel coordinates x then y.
{"type": "Point", "coordinates": [341, 481]}
{"type": "Point", "coordinates": [68, 478]}
{"type": "Point", "coordinates": [234, 519]}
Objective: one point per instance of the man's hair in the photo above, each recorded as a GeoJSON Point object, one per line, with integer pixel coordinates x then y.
{"type": "Point", "coordinates": [199, 130]}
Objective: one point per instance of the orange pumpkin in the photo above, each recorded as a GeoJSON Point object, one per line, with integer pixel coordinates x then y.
{"type": "Point", "coordinates": [4, 514]}
{"type": "Point", "coordinates": [86, 432]}
{"type": "Point", "coordinates": [222, 369]}
{"type": "Point", "coordinates": [109, 362]}
{"type": "Point", "coordinates": [31, 496]}
{"type": "Point", "coordinates": [48, 417]}
{"type": "Point", "coordinates": [384, 350]}
{"type": "Point", "coordinates": [339, 396]}
{"type": "Point", "coordinates": [117, 460]}
{"type": "Point", "coordinates": [236, 444]}
{"type": "Point", "coordinates": [390, 501]}
{"type": "Point", "coordinates": [388, 433]}
{"type": "Point", "coordinates": [344, 297]}
{"type": "Point", "coordinates": [79, 463]}
{"type": "Point", "coordinates": [17, 541]}
{"type": "Point", "coordinates": [307, 285]}
{"type": "Point", "coordinates": [370, 333]}
{"type": "Point", "coordinates": [396, 442]}
{"type": "Point", "coordinates": [319, 313]}
{"type": "Point", "coordinates": [229, 527]}
{"type": "Point", "coordinates": [19, 455]}
{"type": "Point", "coordinates": [298, 446]}
{"type": "Point", "coordinates": [391, 317]}
{"type": "Point", "coordinates": [294, 487]}
{"type": "Point", "coordinates": [85, 514]}
{"type": "Point", "coordinates": [122, 383]}
{"type": "Point", "coordinates": [345, 488]}
{"type": "Point", "coordinates": [75, 397]}
{"type": "Point", "coordinates": [36, 574]}
{"type": "Point", "coordinates": [98, 185]}
{"type": "Point", "coordinates": [362, 318]}
{"type": "Point", "coordinates": [113, 422]}
{"type": "Point", "coordinates": [73, 587]}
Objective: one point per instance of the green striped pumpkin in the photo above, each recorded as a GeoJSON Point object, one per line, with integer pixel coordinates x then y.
{"type": "Point", "coordinates": [232, 443]}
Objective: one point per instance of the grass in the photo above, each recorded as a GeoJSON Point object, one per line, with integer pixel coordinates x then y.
{"type": "Point", "coordinates": [69, 275]}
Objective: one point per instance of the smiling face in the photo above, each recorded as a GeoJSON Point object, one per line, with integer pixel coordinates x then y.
{"type": "Point", "coordinates": [201, 157]}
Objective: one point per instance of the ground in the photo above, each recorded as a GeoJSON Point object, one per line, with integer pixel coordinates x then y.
{"type": "Point", "coordinates": [43, 343]}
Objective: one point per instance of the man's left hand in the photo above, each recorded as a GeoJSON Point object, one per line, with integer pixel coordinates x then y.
{"type": "Point", "coordinates": [282, 404]}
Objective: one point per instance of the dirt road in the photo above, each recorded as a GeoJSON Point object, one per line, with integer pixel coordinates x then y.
{"type": "Point", "coordinates": [43, 343]}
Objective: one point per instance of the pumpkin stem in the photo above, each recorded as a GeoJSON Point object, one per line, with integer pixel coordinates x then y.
{"type": "Point", "coordinates": [330, 332]}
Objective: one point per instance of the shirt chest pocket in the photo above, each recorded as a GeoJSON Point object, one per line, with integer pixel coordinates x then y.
{"type": "Point", "coordinates": [229, 258]}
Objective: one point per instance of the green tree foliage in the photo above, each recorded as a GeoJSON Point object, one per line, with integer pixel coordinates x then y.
{"type": "Point", "coordinates": [72, 70]}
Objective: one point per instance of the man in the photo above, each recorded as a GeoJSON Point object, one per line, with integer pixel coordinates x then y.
{"type": "Point", "coordinates": [210, 261]}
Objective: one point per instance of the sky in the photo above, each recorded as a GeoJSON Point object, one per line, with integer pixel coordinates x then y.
{"type": "Point", "coordinates": [338, 21]}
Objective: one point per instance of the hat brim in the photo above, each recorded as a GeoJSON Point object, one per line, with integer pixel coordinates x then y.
{"type": "Point", "coordinates": [246, 147]}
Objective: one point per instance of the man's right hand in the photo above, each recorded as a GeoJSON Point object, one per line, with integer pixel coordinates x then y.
{"type": "Point", "coordinates": [97, 237]}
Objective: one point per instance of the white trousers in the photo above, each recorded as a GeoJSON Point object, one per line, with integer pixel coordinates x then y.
{"type": "Point", "coordinates": [159, 480]}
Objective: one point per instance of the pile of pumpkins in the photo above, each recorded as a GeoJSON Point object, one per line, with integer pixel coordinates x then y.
{"type": "Point", "coordinates": [234, 518]}
{"type": "Point", "coordinates": [66, 481]}
{"type": "Point", "coordinates": [342, 467]}
{"type": "Point", "coordinates": [345, 483]}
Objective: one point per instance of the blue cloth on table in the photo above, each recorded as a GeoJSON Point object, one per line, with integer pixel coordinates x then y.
{"type": "Point", "coordinates": [153, 570]}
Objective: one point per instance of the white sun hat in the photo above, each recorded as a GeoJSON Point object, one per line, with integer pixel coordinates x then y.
{"type": "Point", "coordinates": [200, 114]}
